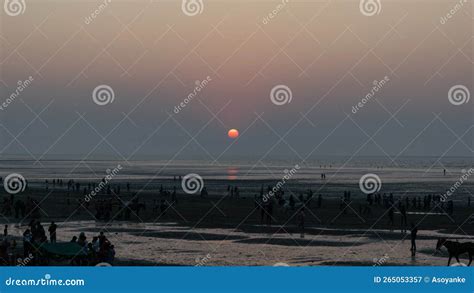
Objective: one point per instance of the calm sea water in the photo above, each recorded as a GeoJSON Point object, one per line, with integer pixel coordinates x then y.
{"type": "Point", "coordinates": [337, 169]}
{"type": "Point", "coordinates": [414, 176]}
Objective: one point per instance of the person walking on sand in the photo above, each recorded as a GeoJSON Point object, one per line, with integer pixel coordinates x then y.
{"type": "Point", "coordinates": [414, 231]}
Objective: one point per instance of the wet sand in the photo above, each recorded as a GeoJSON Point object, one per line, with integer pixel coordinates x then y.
{"type": "Point", "coordinates": [173, 244]}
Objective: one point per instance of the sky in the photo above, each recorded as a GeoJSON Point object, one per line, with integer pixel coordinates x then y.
{"type": "Point", "coordinates": [151, 53]}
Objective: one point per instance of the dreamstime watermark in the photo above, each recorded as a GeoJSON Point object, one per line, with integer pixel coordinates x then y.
{"type": "Point", "coordinates": [192, 7]}
{"type": "Point", "coordinates": [14, 183]}
{"type": "Point", "coordinates": [458, 95]}
{"type": "Point", "coordinates": [380, 261]}
{"type": "Point", "coordinates": [103, 183]}
{"type": "Point", "coordinates": [370, 183]}
{"type": "Point", "coordinates": [94, 14]}
{"type": "Point", "coordinates": [288, 174]}
{"type": "Point", "coordinates": [21, 262]}
{"type": "Point", "coordinates": [44, 281]}
{"type": "Point", "coordinates": [274, 12]}
{"type": "Point", "coordinates": [14, 7]}
{"type": "Point", "coordinates": [200, 85]}
{"type": "Point", "coordinates": [378, 85]}
{"type": "Point", "coordinates": [281, 95]}
{"type": "Point", "coordinates": [458, 6]}
{"type": "Point", "coordinates": [457, 184]}
{"type": "Point", "coordinates": [201, 261]}
{"type": "Point", "coordinates": [103, 95]}
{"type": "Point", "coordinates": [370, 7]}
{"type": "Point", "coordinates": [21, 86]}
{"type": "Point", "coordinates": [192, 183]}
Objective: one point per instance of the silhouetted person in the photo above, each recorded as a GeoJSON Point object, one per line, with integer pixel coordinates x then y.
{"type": "Point", "coordinates": [27, 238]}
{"type": "Point", "coordinates": [414, 231]}
{"type": "Point", "coordinates": [292, 202]}
{"type": "Point", "coordinates": [450, 208]}
{"type": "Point", "coordinates": [163, 207]}
{"type": "Point", "coordinates": [390, 217]}
{"type": "Point", "coordinates": [52, 232]}
{"type": "Point", "coordinates": [403, 219]}
{"type": "Point", "coordinates": [5, 231]}
{"type": "Point", "coordinates": [269, 212]}
{"type": "Point", "coordinates": [174, 200]}
{"type": "Point", "coordinates": [262, 211]}
{"type": "Point", "coordinates": [301, 217]}
{"type": "Point", "coordinates": [204, 192]}
{"type": "Point", "coordinates": [82, 241]}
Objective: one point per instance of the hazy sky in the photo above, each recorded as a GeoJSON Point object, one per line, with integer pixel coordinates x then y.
{"type": "Point", "coordinates": [151, 53]}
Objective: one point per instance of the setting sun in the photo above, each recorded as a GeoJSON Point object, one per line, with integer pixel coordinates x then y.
{"type": "Point", "coordinates": [233, 133]}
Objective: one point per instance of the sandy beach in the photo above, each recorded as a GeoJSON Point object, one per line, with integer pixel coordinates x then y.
{"type": "Point", "coordinates": [220, 230]}
{"type": "Point", "coordinates": [177, 245]}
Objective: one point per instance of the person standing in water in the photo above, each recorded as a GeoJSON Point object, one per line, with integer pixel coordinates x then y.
{"type": "Point", "coordinates": [414, 232]}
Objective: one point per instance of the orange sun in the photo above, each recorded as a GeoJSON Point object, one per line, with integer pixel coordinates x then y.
{"type": "Point", "coordinates": [233, 133]}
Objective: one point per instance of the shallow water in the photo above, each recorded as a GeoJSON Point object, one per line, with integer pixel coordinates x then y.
{"type": "Point", "coordinates": [337, 169]}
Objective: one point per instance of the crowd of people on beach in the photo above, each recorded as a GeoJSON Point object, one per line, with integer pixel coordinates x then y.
{"type": "Point", "coordinates": [111, 205]}
{"type": "Point", "coordinates": [290, 205]}
{"type": "Point", "coordinates": [35, 252]}
{"type": "Point", "coordinates": [99, 250]}
{"type": "Point", "coordinates": [19, 208]}
{"type": "Point", "coordinates": [132, 208]}
{"type": "Point", "coordinates": [417, 203]}
{"type": "Point", "coordinates": [431, 203]}
{"type": "Point", "coordinates": [297, 205]}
